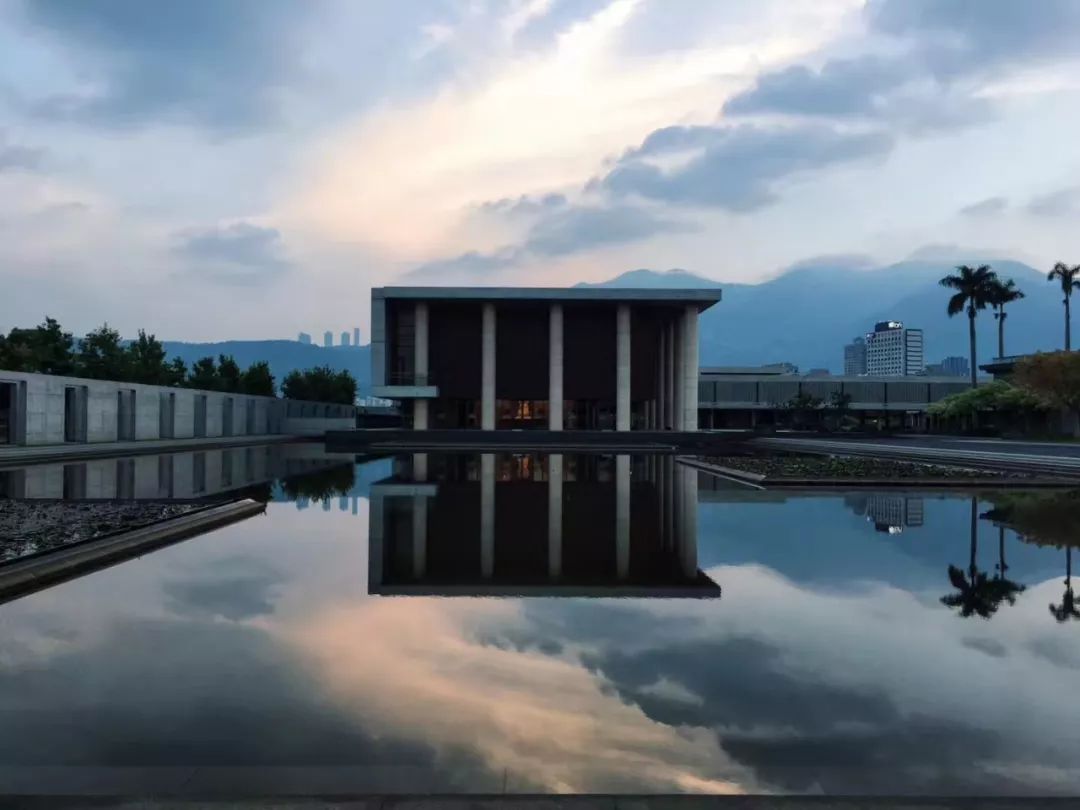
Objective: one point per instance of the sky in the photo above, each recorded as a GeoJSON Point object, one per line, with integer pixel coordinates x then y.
{"type": "Point", "coordinates": [249, 169]}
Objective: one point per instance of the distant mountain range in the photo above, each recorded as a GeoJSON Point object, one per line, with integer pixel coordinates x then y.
{"type": "Point", "coordinates": [282, 355]}
{"type": "Point", "coordinates": [807, 314]}
{"type": "Point", "coordinates": [803, 316]}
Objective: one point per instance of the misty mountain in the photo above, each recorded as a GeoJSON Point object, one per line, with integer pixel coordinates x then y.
{"type": "Point", "coordinates": [282, 355]}
{"type": "Point", "coordinates": [807, 314]}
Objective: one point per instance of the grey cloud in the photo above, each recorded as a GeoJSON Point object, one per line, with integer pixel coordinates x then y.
{"type": "Point", "coordinates": [983, 208]}
{"type": "Point", "coordinates": [525, 204]}
{"type": "Point", "coordinates": [1055, 203]}
{"type": "Point", "coordinates": [218, 64]}
{"type": "Point", "coordinates": [842, 87]}
{"type": "Point", "coordinates": [582, 227]}
{"type": "Point", "coordinates": [17, 156]}
{"type": "Point", "coordinates": [235, 588]}
{"type": "Point", "coordinates": [241, 253]}
{"type": "Point", "coordinates": [559, 230]}
{"type": "Point", "coordinates": [737, 167]}
{"type": "Point", "coordinates": [562, 14]}
{"type": "Point", "coordinates": [961, 36]}
{"type": "Point", "coordinates": [465, 268]}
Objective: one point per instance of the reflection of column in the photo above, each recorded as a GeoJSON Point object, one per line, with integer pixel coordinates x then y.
{"type": "Point", "coordinates": [690, 363]}
{"type": "Point", "coordinates": [487, 395]}
{"type": "Point", "coordinates": [688, 532]}
{"type": "Point", "coordinates": [670, 502]}
{"type": "Point", "coordinates": [487, 514]}
{"type": "Point", "coordinates": [622, 516]}
{"type": "Point", "coordinates": [419, 536]}
{"type": "Point", "coordinates": [375, 540]}
{"type": "Point", "coordinates": [555, 369]}
{"type": "Point", "coordinates": [555, 481]}
{"type": "Point", "coordinates": [420, 365]}
{"type": "Point", "coordinates": [355, 504]}
{"type": "Point", "coordinates": [622, 367]}
{"type": "Point", "coordinates": [661, 379]}
{"type": "Point", "coordinates": [420, 467]}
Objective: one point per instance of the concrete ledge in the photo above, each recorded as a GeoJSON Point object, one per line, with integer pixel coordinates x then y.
{"type": "Point", "coordinates": [610, 441]}
{"type": "Point", "coordinates": [533, 802]}
{"type": "Point", "coordinates": [35, 572]}
{"type": "Point", "coordinates": [23, 456]}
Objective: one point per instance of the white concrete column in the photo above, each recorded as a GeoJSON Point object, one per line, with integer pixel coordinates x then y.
{"type": "Point", "coordinates": [487, 395]}
{"type": "Point", "coordinates": [622, 516]}
{"type": "Point", "coordinates": [419, 536]}
{"type": "Point", "coordinates": [691, 366]}
{"type": "Point", "coordinates": [555, 528]}
{"type": "Point", "coordinates": [669, 373]}
{"type": "Point", "coordinates": [420, 365]}
{"type": "Point", "coordinates": [555, 369]}
{"type": "Point", "coordinates": [622, 367]}
{"type": "Point", "coordinates": [678, 389]}
{"type": "Point", "coordinates": [487, 515]}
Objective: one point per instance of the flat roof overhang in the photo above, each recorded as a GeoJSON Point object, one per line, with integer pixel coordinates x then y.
{"type": "Point", "coordinates": [704, 298]}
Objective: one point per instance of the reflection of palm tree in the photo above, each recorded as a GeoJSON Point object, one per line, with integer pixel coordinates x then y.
{"type": "Point", "coordinates": [1004, 589]}
{"type": "Point", "coordinates": [1067, 609]}
{"type": "Point", "coordinates": [976, 594]}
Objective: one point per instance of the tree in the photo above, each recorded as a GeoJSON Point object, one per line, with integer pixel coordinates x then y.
{"type": "Point", "coordinates": [840, 402]}
{"type": "Point", "coordinates": [102, 355]}
{"type": "Point", "coordinates": [1055, 377]}
{"type": "Point", "coordinates": [800, 406]}
{"type": "Point", "coordinates": [974, 290]}
{"type": "Point", "coordinates": [1067, 277]}
{"type": "Point", "coordinates": [1002, 293]}
{"type": "Point", "coordinates": [228, 373]}
{"type": "Point", "coordinates": [975, 594]}
{"type": "Point", "coordinates": [258, 380]}
{"type": "Point", "coordinates": [146, 361]}
{"type": "Point", "coordinates": [320, 384]}
{"type": "Point", "coordinates": [176, 372]}
{"type": "Point", "coordinates": [203, 375]}
{"type": "Point", "coordinates": [46, 349]}
{"type": "Point", "coordinates": [1067, 609]}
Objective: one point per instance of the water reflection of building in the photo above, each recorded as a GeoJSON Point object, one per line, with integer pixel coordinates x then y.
{"type": "Point", "coordinates": [535, 524]}
{"type": "Point", "coordinates": [170, 476]}
{"type": "Point", "coordinates": [888, 512]}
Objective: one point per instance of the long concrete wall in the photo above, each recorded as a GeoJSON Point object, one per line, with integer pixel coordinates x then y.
{"type": "Point", "coordinates": [40, 414]}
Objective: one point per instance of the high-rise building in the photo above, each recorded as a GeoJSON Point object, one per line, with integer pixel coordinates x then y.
{"type": "Point", "coordinates": [356, 336]}
{"type": "Point", "coordinates": [893, 351]}
{"type": "Point", "coordinates": [344, 338]}
{"type": "Point", "coordinates": [328, 339]}
{"type": "Point", "coordinates": [956, 366]}
{"type": "Point", "coordinates": [304, 338]}
{"type": "Point", "coordinates": [855, 357]}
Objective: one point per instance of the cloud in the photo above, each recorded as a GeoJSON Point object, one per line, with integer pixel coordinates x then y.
{"type": "Point", "coordinates": [578, 228]}
{"type": "Point", "coordinates": [737, 168]}
{"type": "Point", "coordinates": [240, 253]}
{"type": "Point", "coordinates": [464, 269]}
{"type": "Point", "coordinates": [1055, 203]}
{"type": "Point", "coordinates": [842, 87]}
{"type": "Point", "coordinates": [202, 61]}
{"type": "Point", "coordinates": [959, 37]}
{"type": "Point", "coordinates": [16, 156]}
{"type": "Point", "coordinates": [525, 204]}
{"type": "Point", "coordinates": [985, 208]}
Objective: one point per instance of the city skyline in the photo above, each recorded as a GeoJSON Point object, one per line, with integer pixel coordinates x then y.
{"type": "Point", "coordinates": [584, 138]}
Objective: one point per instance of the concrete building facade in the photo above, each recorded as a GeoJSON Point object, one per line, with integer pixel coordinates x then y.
{"type": "Point", "coordinates": [556, 359]}
{"type": "Point", "coordinates": [43, 409]}
{"type": "Point", "coordinates": [749, 398]}
{"type": "Point", "coordinates": [855, 357]}
{"type": "Point", "coordinates": [894, 351]}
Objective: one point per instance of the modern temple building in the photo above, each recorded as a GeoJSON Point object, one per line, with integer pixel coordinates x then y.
{"type": "Point", "coordinates": [557, 359]}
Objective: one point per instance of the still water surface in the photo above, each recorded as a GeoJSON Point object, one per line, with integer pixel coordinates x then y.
{"type": "Point", "coordinates": [416, 624]}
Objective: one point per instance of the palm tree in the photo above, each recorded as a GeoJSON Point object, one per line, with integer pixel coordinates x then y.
{"type": "Point", "coordinates": [1004, 292]}
{"type": "Point", "coordinates": [976, 594]}
{"type": "Point", "coordinates": [1067, 609]}
{"type": "Point", "coordinates": [974, 288]}
{"type": "Point", "coordinates": [1069, 282]}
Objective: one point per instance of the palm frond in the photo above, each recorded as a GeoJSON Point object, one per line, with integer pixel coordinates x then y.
{"type": "Point", "coordinates": [957, 304]}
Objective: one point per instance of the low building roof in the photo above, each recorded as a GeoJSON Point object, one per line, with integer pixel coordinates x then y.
{"type": "Point", "coordinates": [705, 298]}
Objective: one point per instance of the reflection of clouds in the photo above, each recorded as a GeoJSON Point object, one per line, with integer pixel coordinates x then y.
{"type": "Point", "coordinates": [416, 666]}
{"type": "Point", "coordinates": [236, 588]}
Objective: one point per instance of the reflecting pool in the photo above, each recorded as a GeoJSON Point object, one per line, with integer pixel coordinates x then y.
{"type": "Point", "coordinates": [535, 623]}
